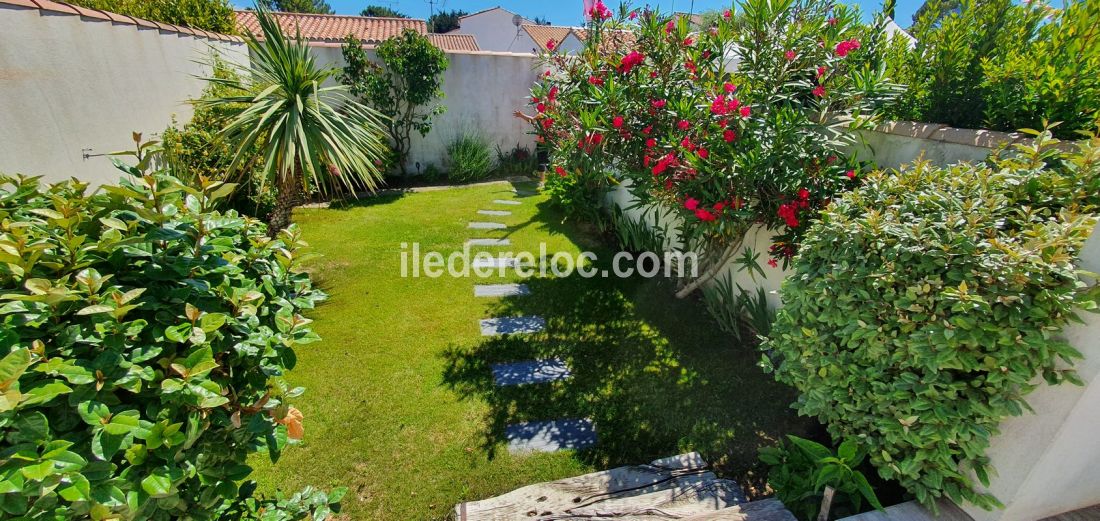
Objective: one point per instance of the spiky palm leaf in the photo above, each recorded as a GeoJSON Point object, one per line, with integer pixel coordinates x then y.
{"type": "Point", "coordinates": [305, 127]}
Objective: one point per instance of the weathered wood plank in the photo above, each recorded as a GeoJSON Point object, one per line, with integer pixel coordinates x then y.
{"type": "Point", "coordinates": [668, 488]}
{"type": "Point", "coordinates": [763, 510]}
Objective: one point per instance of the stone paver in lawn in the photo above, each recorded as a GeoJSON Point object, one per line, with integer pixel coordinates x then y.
{"type": "Point", "coordinates": [549, 436]}
{"type": "Point", "coordinates": [488, 242]}
{"type": "Point", "coordinates": [530, 372]}
{"type": "Point", "coordinates": [511, 325]}
{"type": "Point", "coordinates": [498, 213]}
{"type": "Point", "coordinates": [494, 262]}
{"type": "Point", "coordinates": [486, 226]}
{"type": "Point", "coordinates": [501, 290]}
{"type": "Point", "coordinates": [506, 201]}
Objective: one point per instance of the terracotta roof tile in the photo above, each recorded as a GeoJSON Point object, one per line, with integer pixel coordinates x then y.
{"type": "Point", "coordinates": [334, 28]}
{"type": "Point", "coordinates": [542, 34]}
{"type": "Point", "coordinates": [455, 42]}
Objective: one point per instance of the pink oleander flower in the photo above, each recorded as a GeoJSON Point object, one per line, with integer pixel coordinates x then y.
{"type": "Point", "coordinates": [819, 91]}
{"type": "Point", "coordinates": [745, 111]}
{"type": "Point", "coordinates": [617, 122]}
{"type": "Point", "coordinates": [729, 136]}
{"type": "Point", "coordinates": [691, 203]}
{"type": "Point", "coordinates": [790, 55]}
{"type": "Point", "coordinates": [683, 124]}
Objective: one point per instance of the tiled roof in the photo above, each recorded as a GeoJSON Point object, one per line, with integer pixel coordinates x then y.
{"type": "Point", "coordinates": [617, 40]}
{"type": "Point", "coordinates": [545, 33]}
{"type": "Point", "coordinates": [107, 16]}
{"type": "Point", "coordinates": [334, 28]}
{"type": "Point", "coordinates": [484, 11]}
{"type": "Point", "coordinates": [454, 42]}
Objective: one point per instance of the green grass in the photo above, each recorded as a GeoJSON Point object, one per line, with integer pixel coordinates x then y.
{"type": "Point", "coordinates": [400, 405]}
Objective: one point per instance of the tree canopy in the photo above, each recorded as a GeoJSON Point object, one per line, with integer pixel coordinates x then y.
{"type": "Point", "coordinates": [382, 11]}
{"type": "Point", "coordinates": [299, 6]}
{"type": "Point", "coordinates": [444, 21]}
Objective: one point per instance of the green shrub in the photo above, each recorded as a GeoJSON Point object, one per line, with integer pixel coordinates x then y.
{"type": "Point", "coordinates": [924, 304]}
{"type": "Point", "coordinates": [208, 15]}
{"type": "Point", "coordinates": [799, 473]}
{"type": "Point", "coordinates": [195, 151]}
{"type": "Point", "coordinates": [143, 341]}
{"type": "Point", "coordinates": [1002, 65]}
{"type": "Point", "coordinates": [518, 161]}
{"type": "Point", "coordinates": [470, 159]}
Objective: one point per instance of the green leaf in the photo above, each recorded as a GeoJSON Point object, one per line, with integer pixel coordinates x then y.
{"type": "Point", "coordinates": [158, 483]}
{"type": "Point", "coordinates": [847, 450]}
{"type": "Point", "coordinates": [865, 490]}
{"type": "Point", "coordinates": [12, 366]}
{"type": "Point", "coordinates": [38, 471]}
{"type": "Point", "coordinates": [44, 393]}
{"type": "Point", "coordinates": [95, 309]}
{"type": "Point", "coordinates": [77, 489]}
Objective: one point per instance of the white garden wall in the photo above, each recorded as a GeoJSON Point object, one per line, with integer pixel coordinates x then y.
{"type": "Point", "coordinates": [481, 90]}
{"type": "Point", "coordinates": [71, 82]}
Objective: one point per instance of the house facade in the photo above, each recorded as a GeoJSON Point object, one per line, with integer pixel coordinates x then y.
{"type": "Point", "coordinates": [495, 30]}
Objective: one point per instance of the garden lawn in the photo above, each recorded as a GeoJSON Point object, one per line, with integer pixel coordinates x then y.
{"type": "Point", "coordinates": [400, 405]}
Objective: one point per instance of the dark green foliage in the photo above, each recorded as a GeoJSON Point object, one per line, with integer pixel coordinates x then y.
{"type": "Point", "coordinates": [518, 161]}
{"type": "Point", "coordinates": [936, 10]}
{"type": "Point", "coordinates": [1001, 65]}
{"type": "Point", "coordinates": [802, 469]}
{"type": "Point", "coordinates": [382, 11]}
{"type": "Point", "coordinates": [195, 151]}
{"type": "Point", "coordinates": [638, 235]}
{"type": "Point", "coordinates": [144, 338]}
{"type": "Point", "coordinates": [470, 159]}
{"type": "Point", "coordinates": [445, 21]}
{"type": "Point", "coordinates": [745, 315]}
{"type": "Point", "coordinates": [404, 87]}
{"type": "Point", "coordinates": [924, 304]}
{"type": "Point", "coordinates": [298, 6]}
{"type": "Point", "coordinates": [208, 15]}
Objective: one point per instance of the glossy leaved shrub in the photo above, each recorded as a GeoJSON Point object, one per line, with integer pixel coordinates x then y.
{"type": "Point", "coordinates": [208, 15]}
{"type": "Point", "coordinates": [142, 342]}
{"type": "Point", "coordinates": [925, 304]}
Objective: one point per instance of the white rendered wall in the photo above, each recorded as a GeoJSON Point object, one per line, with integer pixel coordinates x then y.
{"type": "Point", "coordinates": [68, 83]}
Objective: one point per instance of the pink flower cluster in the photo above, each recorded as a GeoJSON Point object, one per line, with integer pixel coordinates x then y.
{"type": "Point", "coordinates": [847, 46]}
{"type": "Point", "coordinates": [630, 61]}
{"type": "Point", "coordinates": [599, 11]}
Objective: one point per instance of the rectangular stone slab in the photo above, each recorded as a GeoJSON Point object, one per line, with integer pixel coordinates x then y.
{"type": "Point", "coordinates": [488, 242]}
{"type": "Point", "coordinates": [530, 372]}
{"type": "Point", "coordinates": [511, 325]}
{"type": "Point", "coordinates": [506, 201]}
{"type": "Point", "coordinates": [550, 436]}
{"type": "Point", "coordinates": [486, 226]}
{"type": "Point", "coordinates": [494, 262]}
{"type": "Point", "coordinates": [498, 213]}
{"type": "Point", "coordinates": [501, 290]}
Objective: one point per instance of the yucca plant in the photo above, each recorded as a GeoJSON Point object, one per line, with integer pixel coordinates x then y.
{"type": "Point", "coordinates": [313, 137]}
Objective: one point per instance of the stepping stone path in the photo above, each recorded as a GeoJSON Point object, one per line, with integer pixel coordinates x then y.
{"type": "Point", "coordinates": [488, 242]}
{"type": "Point", "coordinates": [530, 372]}
{"type": "Point", "coordinates": [550, 436]}
{"type": "Point", "coordinates": [512, 326]}
{"type": "Point", "coordinates": [535, 436]}
{"type": "Point", "coordinates": [487, 226]}
{"type": "Point", "coordinates": [501, 290]}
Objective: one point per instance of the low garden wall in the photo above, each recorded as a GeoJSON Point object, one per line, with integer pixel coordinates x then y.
{"type": "Point", "coordinates": [78, 81]}
{"type": "Point", "coordinates": [1045, 461]}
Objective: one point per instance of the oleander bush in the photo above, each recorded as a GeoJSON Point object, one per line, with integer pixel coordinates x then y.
{"type": "Point", "coordinates": [654, 103]}
{"type": "Point", "coordinates": [143, 339]}
{"type": "Point", "coordinates": [1001, 65]}
{"type": "Point", "coordinates": [924, 305]}
{"type": "Point", "coordinates": [208, 15]}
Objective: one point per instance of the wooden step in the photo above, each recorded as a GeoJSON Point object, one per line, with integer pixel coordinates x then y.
{"type": "Point", "coordinates": [678, 487]}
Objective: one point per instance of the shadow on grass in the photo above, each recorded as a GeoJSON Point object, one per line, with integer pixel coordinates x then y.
{"type": "Point", "coordinates": [654, 373]}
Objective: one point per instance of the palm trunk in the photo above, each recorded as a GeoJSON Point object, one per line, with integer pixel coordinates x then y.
{"type": "Point", "coordinates": [279, 219]}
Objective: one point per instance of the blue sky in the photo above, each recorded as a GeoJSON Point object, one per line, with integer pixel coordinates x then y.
{"type": "Point", "coordinates": [568, 12]}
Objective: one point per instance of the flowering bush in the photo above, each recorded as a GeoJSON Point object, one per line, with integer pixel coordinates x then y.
{"type": "Point", "coordinates": [924, 305]}
{"type": "Point", "coordinates": [142, 341]}
{"type": "Point", "coordinates": [739, 125]}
